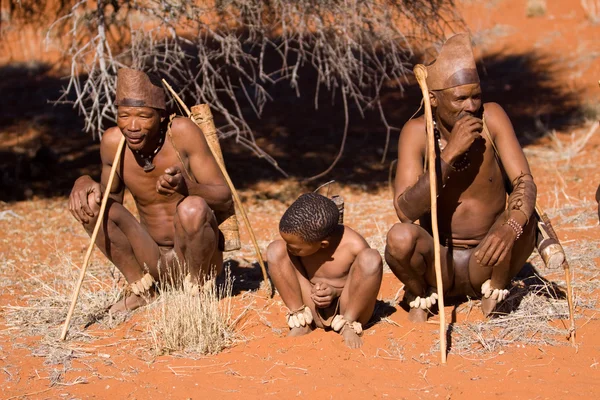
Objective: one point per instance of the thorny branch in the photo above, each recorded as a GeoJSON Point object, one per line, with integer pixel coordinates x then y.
{"type": "Point", "coordinates": [231, 53]}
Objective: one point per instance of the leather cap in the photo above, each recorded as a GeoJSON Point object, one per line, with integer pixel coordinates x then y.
{"type": "Point", "coordinates": [454, 66]}
{"type": "Point", "coordinates": [135, 89]}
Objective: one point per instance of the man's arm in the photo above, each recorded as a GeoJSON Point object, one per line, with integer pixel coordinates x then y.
{"type": "Point", "coordinates": [412, 192]}
{"type": "Point", "coordinates": [108, 149]}
{"type": "Point", "coordinates": [210, 183]}
{"type": "Point", "coordinates": [84, 186]}
{"type": "Point", "coordinates": [521, 201]}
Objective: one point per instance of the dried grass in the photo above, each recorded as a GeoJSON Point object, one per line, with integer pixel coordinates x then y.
{"type": "Point", "coordinates": [181, 321]}
{"type": "Point", "coordinates": [525, 318]}
{"type": "Point", "coordinates": [560, 150]}
{"type": "Point", "coordinates": [46, 305]}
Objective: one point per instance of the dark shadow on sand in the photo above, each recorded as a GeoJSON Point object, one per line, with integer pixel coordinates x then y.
{"type": "Point", "coordinates": [304, 141]}
{"type": "Point", "coordinates": [382, 310]}
{"type": "Point", "coordinates": [245, 278]}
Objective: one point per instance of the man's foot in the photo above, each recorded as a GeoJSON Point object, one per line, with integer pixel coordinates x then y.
{"type": "Point", "coordinates": [131, 302]}
{"type": "Point", "coordinates": [491, 297]}
{"type": "Point", "coordinates": [301, 331]}
{"type": "Point", "coordinates": [418, 315]}
{"type": "Point", "coordinates": [351, 338]}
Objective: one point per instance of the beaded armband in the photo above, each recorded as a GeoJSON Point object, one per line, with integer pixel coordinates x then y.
{"type": "Point", "coordinates": [515, 226]}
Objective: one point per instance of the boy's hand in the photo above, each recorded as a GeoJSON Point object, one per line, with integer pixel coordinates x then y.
{"type": "Point", "coordinates": [323, 294]}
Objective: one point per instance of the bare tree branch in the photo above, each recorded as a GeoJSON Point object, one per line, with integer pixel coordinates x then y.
{"type": "Point", "coordinates": [231, 53]}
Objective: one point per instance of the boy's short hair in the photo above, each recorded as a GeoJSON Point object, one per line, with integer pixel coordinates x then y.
{"type": "Point", "coordinates": [312, 217]}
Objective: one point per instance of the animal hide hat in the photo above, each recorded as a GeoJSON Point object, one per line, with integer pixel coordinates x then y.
{"type": "Point", "coordinates": [454, 66]}
{"type": "Point", "coordinates": [135, 89]}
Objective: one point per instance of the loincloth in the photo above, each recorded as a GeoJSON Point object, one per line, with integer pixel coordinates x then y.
{"type": "Point", "coordinates": [460, 257]}
{"type": "Point", "coordinates": [167, 257]}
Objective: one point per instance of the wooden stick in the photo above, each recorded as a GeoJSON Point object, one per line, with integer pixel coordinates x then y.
{"type": "Point", "coordinates": [86, 260]}
{"type": "Point", "coordinates": [544, 217]}
{"type": "Point", "coordinates": [421, 75]}
{"type": "Point", "coordinates": [234, 192]}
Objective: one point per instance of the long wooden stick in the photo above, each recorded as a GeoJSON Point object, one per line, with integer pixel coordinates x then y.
{"type": "Point", "coordinates": [86, 260]}
{"type": "Point", "coordinates": [234, 192]}
{"type": "Point", "coordinates": [567, 270]}
{"type": "Point", "coordinates": [421, 75]}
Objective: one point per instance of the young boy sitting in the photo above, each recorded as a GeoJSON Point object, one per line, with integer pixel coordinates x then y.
{"type": "Point", "coordinates": [324, 271]}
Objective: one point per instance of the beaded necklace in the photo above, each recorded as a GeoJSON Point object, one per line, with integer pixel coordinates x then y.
{"type": "Point", "coordinates": [148, 166]}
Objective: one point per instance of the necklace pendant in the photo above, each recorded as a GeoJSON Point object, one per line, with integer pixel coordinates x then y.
{"type": "Point", "coordinates": [148, 166]}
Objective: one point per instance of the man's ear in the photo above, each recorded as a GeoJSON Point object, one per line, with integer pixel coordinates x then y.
{"type": "Point", "coordinates": [324, 244]}
{"type": "Point", "coordinates": [163, 115]}
{"type": "Point", "coordinates": [433, 99]}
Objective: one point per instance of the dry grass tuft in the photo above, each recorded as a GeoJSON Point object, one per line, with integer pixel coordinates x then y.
{"type": "Point", "coordinates": [560, 150]}
{"type": "Point", "coordinates": [525, 318]}
{"type": "Point", "coordinates": [46, 305]}
{"type": "Point", "coordinates": [181, 321]}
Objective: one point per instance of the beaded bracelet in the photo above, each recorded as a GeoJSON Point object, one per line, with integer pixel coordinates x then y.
{"type": "Point", "coordinates": [515, 226]}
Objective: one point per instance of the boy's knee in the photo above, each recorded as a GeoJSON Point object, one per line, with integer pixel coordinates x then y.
{"type": "Point", "coordinates": [193, 213]}
{"type": "Point", "coordinates": [276, 252]}
{"type": "Point", "coordinates": [369, 261]}
{"type": "Point", "coordinates": [401, 239]}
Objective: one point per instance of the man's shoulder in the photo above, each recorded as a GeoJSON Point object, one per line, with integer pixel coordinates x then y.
{"type": "Point", "coordinates": [110, 141]}
{"type": "Point", "coordinates": [415, 126]}
{"type": "Point", "coordinates": [492, 109]}
{"type": "Point", "coordinates": [496, 119]}
{"type": "Point", "coordinates": [112, 136]}
{"type": "Point", "coordinates": [181, 126]}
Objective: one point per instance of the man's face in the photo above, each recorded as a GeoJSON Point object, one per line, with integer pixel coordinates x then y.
{"type": "Point", "coordinates": [138, 124]}
{"type": "Point", "coordinates": [457, 102]}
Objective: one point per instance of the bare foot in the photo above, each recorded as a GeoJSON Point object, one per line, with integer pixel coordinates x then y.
{"type": "Point", "coordinates": [303, 330]}
{"type": "Point", "coordinates": [488, 306]}
{"type": "Point", "coordinates": [417, 315]}
{"type": "Point", "coordinates": [131, 303]}
{"type": "Point", "coordinates": [351, 338]}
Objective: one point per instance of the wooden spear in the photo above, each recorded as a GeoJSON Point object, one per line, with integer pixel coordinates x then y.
{"type": "Point", "coordinates": [234, 192]}
{"type": "Point", "coordinates": [421, 75]}
{"type": "Point", "coordinates": [86, 260]}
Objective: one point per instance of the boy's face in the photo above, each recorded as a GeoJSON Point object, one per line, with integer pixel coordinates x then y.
{"type": "Point", "coordinates": [296, 246]}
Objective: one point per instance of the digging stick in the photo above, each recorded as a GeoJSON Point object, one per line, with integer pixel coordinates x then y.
{"type": "Point", "coordinates": [567, 269]}
{"type": "Point", "coordinates": [234, 192]}
{"type": "Point", "coordinates": [86, 260]}
{"type": "Point", "coordinates": [421, 75]}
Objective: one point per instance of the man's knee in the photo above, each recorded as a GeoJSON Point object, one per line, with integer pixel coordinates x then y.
{"type": "Point", "coordinates": [370, 263]}
{"type": "Point", "coordinates": [276, 252]}
{"type": "Point", "coordinates": [401, 240]}
{"type": "Point", "coordinates": [194, 213]}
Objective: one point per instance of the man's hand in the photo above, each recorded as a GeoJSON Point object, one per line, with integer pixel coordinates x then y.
{"type": "Point", "coordinates": [463, 134]}
{"type": "Point", "coordinates": [172, 181]}
{"type": "Point", "coordinates": [323, 294]}
{"type": "Point", "coordinates": [79, 205]}
{"type": "Point", "coordinates": [496, 246]}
